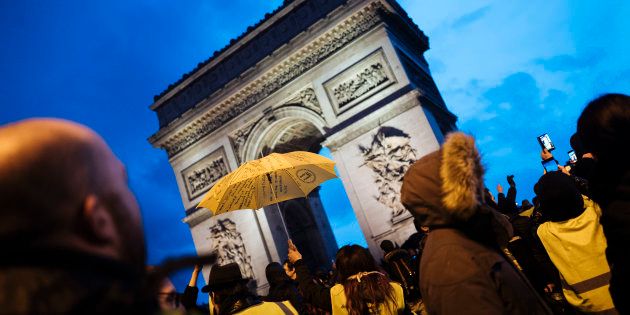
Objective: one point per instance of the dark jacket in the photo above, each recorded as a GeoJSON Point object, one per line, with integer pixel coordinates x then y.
{"type": "Point", "coordinates": [68, 282]}
{"type": "Point", "coordinates": [313, 292]}
{"type": "Point", "coordinates": [462, 269]}
{"type": "Point", "coordinates": [399, 266]}
{"type": "Point", "coordinates": [461, 276]}
{"type": "Point", "coordinates": [616, 223]}
{"type": "Point", "coordinates": [236, 304]}
{"type": "Point", "coordinates": [286, 291]}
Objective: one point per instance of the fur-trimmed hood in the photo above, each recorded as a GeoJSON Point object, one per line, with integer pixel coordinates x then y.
{"type": "Point", "coordinates": [445, 186]}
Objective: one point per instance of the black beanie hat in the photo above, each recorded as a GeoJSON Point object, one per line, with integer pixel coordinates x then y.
{"type": "Point", "coordinates": [559, 198]}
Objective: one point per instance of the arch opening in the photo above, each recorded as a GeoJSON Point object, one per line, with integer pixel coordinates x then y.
{"type": "Point", "coordinates": [306, 221]}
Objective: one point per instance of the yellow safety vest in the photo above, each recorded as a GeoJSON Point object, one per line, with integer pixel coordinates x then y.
{"type": "Point", "coordinates": [270, 308]}
{"type": "Point", "coordinates": [338, 301]}
{"type": "Point", "coordinates": [577, 249]}
{"type": "Point", "coordinates": [527, 213]}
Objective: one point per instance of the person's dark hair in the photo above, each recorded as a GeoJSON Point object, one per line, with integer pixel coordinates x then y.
{"type": "Point", "coordinates": [275, 274]}
{"type": "Point", "coordinates": [387, 246]}
{"type": "Point", "coordinates": [233, 291]}
{"type": "Point", "coordinates": [604, 126]}
{"type": "Point", "coordinates": [366, 295]}
{"type": "Point", "coordinates": [604, 130]}
{"type": "Point", "coordinates": [576, 145]}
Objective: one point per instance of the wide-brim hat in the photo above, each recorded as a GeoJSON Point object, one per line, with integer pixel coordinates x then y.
{"type": "Point", "coordinates": [222, 276]}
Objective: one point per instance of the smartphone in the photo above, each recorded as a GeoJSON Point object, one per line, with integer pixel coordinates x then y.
{"type": "Point", "coordinates": [545, 142]}
{"type": "Point", "coordinates": [572, 157]}
{"type": "Point", "coordinates": [550, 165]}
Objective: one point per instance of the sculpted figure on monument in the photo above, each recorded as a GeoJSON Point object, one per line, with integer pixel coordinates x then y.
{"type": "Point", "coordinates": [389, 155]}
{"type": "Point", "coordinates": [228, 244]}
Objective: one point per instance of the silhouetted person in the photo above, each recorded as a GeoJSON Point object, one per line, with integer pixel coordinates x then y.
{"type": "Point", "coordinates": [575, 242]}
{"type": "Point", "coordinates": [230, 294]}
{"type": "Point", "coordinates": [281, 288]}
{"type": "Point", "coordinates": [398, 263]}
{"type": "Point", "coordinates": [70, 228]}
{"type": "Point", "coordinates": [168, 298]}
{"type": "Point", "coordinates": [507, 203]}
{"type": "Point", "coordinates": [604, 131]}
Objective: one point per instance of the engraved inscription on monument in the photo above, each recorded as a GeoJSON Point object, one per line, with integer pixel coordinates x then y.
{"type": "Point", "coordinates": [200, 176]}
{"type": "Point", "coordinates": [360, 81]}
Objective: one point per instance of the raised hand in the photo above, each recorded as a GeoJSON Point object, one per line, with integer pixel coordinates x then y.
{"type": "Point", "coordinates": [293, 254]}
{"type": "Point", "coordinates": [546, 155]}
{"type": "Point", "coordinates": [510, 180]}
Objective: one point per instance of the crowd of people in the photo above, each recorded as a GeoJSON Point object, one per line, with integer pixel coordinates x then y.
{"type": "Point", "coordinates": [72, 238]}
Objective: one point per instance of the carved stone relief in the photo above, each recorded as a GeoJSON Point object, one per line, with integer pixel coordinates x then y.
{"type": "Point", "coordinates": [228, 244]}
{"type": "Point", "coordinates": [238, 139]}
{"type": "Point", "coordinates": [222, 113]}
{"type": "Point", "coordinates": [362, 83]}
{"type": "Point", "coordinates": [389, 156]}
{"type": "Point", "coordinates": [306, 98]}
{"type": "Point", "coordinates": [359, 81]}
{"type": "Point", "coordinates": [200, 176]}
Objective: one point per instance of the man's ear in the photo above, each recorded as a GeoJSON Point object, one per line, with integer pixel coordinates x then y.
{"type": "Point", "coordinates": [99, 223]}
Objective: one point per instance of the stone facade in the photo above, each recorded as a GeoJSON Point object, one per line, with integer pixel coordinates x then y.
{"type": "Point", "coordinates": [354, 81]}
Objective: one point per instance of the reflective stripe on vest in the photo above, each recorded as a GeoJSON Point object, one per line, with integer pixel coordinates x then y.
{"type": "Point", "coordinates": [588, 284]}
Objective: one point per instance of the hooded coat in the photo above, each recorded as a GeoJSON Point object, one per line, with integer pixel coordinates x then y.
{"type": "Point", "coordinates": [462, 270]}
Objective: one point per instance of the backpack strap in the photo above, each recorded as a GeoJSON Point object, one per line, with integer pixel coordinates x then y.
{"type": "Point", "coordinates": [284, 308]}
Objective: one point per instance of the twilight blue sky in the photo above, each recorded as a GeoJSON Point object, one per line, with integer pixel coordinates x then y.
{"type": "Point", "coordinates": [510, 70]}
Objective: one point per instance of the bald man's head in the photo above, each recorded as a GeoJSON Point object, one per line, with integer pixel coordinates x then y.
{"type": "Point", "coordinates": [60, 181]}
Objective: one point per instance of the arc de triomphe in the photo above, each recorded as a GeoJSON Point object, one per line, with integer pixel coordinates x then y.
{"type": "Point", "coordinates": [346, 74]}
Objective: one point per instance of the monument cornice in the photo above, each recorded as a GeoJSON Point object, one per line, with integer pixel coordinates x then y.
{"type": "Point", "coordinates": [194, 126]}
{"type": "Point", "coordinates": [222, 54]}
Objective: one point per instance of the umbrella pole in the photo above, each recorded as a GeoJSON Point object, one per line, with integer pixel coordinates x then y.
{"type": "Point", "coordinates": [284, 225]}
{"type": "Point", "coordinates": [286, 231]}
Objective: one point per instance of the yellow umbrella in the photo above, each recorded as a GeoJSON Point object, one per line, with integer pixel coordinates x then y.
{"type": "Point", "coordinates": [269, 180]}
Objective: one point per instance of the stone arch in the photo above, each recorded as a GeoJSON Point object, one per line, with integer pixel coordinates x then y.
{"type": "Point", "coordinates": [294, 128]}
{"type": "Point", "coordinates": [268, 132]}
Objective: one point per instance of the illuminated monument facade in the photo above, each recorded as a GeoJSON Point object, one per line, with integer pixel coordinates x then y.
{"type": "Point", "coordinates": [345, 74]}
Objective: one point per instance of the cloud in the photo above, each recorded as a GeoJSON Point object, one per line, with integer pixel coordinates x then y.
{"type": "Point", "coordinates": [510, 116]}
{"type": "Point", "coordinates": [518, 89]}
{"type": "Point", "coordinates": [470, 18]}
{"type": "Point", "coordinates": [567, 62]}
